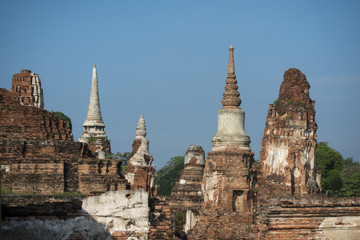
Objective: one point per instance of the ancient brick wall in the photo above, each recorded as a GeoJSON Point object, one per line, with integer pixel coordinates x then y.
{"type": "Point", "coordinates": [187, 196]}
{"type": "Point", "coordinates": [27, 123]}
{"type": "Point", "coordinates": [43, 168]}
{"type": "Point", "coordinates": [160, 219]}
{"type": "Point", "coordinates": [55, 167]}
{"type": "Point", "coordinates": [40, 156]}
{"type": "Point", "coordinates": [228, 196]}
{"type": "Point", "coordinates": [100, 175]}
{"type": "Point", "coordinates": [101, 144]}
{"type": "Point", "coordinates": [308, 218]}
{"type": "Point", "coordinates": [187, 192]}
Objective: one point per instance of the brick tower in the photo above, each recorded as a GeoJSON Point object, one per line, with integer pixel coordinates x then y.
{"type": "Point", "coordinates": [287, 158]}
{"type": "Point", "coordinates": [28, 87]}
{"type": "Point", "coordinates": [227, 181]}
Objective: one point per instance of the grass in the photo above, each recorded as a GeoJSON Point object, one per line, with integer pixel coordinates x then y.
{"type": "Point", "coordinates": [92, 139]}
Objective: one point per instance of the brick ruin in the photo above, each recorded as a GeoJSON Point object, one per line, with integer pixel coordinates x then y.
{"type": "Point", "coordinates": [63, 189]}
{"type": "Point", "coordinates": [58, 187]}
{"type": "Point", "coordinates": [40, 156]}
{"type": "Point", "coordinates": [287, 157]}
{"type": "Point", "coordinates": [187, 195]}
{"type": "Point", "coordinates": [227, 211]}
{"type": "Point", "coordinates": [27, 87]}
{"type": "Point", "coordinates": [140, 172]}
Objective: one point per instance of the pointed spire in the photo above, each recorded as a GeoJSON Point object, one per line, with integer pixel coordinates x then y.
{"type": "Point", "coordinates": [231, 95]}
{"type": "Point", "coordinates": [141, 128]}
{"type": "Point", "coordinates": [94, 112]}
{"type": "Point", "coordinates": [93, 125]}
{"type": "Point", "coordinates": [231, 67]}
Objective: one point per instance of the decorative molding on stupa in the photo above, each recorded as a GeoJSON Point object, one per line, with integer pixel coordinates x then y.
{"type": "Point", "coordinates": [231, 95]}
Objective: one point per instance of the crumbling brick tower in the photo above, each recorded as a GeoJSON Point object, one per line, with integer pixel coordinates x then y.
{"type": "Point", "coordinates": [287, 158]}
{"type": "Point", "coordinates": [27, 86]}
{"type": "Point", "coordinates": [228, 195]}
{"type": "Point", "coordinates": [140, 172]}
{"type": "Point", "coordinates": [187, 195]}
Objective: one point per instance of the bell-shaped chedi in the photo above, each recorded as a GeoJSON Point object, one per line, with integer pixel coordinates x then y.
{"type": "Point", "coordinates": [231, 118]}
{"type": "Point", "coordinates": [287, 157]}
{"type": "Point", "coordinates": [140, 173]}
{"type": "Point", "coordinates": [230, 158]}
{"type": "Point", "coordinates": [227, 181]}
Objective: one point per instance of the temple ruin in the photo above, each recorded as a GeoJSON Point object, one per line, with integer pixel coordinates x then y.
{"type": "Point", "coordinates": [140, 172]}
{"type": "Point", "coordinates": [27, 86]}
{"type": "Point", "coordinates": [287, 154]}
{"type": "Point", "coordinates": [228, 181]}
{"type": "Point", "coordinates": [56, 188]}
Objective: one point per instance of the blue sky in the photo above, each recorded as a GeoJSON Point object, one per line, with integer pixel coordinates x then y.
{"type": "Point", "coordinates": [167, 61]}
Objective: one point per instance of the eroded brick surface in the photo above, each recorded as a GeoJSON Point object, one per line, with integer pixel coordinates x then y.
{"type": "Point", "coordinates": [160, 219]}
{"type": "Point", "coordinates": [28, 123]}
{"type": "Point", "coordinates": [287, 157]}
{"type": "Point", "coordinates": [227, 212]}
{"type": "Point", "coordinates": [39, 156]}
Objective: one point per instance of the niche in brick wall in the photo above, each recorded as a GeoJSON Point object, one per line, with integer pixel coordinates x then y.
{"type": "Point", "coordinates": [238, 201]}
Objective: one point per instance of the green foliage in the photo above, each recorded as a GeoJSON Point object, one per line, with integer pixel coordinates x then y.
{"type": "Point", "coordinates": [289, 102]}
{"type": "Point", "coordinates": [287, 117]}
{"type": "Point", "coordinates": [92, 139]}
{"type": "Point", "coordinates": [276, 102]}
{"type": "Point", "coordinates": [124, 157]}
{"type": "Point", "coordinates": [180, 220]}
{"type": "Point", "coordinates": [328, 159]}
{"type": "Point", "coordinates": [350, 178]}
{"type": "Point", "coordinates": [5, 191]}
{"type": "Point", "coordinates": [166, 176]}
{"type": "Point", "coordinates": [332, 181]}
{"type": "Point", "coordinates": [330, 162]}
{"type": "Point", "coordinates": [65, 118]}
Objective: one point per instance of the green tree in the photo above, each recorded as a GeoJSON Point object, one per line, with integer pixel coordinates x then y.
{"type": "Point", "coordinates": [351, 178]}
{"type": "Point", "coordinates": [330, 162]}
{"type": "Point", "coordinates": [166, 176]}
